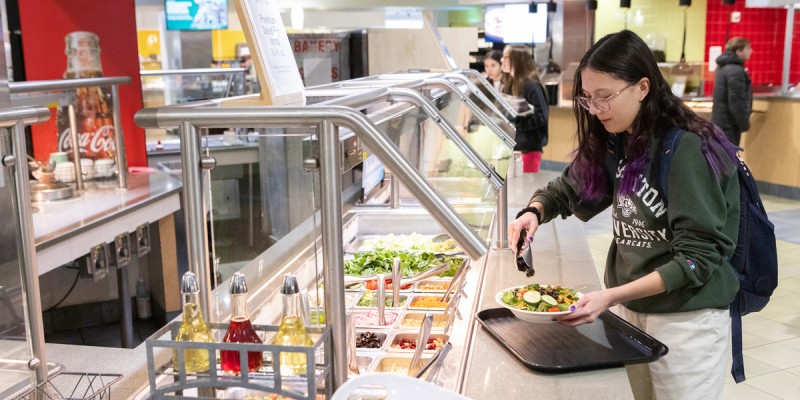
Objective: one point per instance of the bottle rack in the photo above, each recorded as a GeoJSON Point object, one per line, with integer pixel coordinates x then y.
{"type": "Point", "coordinates": [168, 382]}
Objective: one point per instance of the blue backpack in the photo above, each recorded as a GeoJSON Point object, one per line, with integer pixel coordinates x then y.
{"type": "Point", "coordinates": [755, 260]}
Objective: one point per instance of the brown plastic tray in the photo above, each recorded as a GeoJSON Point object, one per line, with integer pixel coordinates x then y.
{"type": "Point", "coordinates": [608, 342]}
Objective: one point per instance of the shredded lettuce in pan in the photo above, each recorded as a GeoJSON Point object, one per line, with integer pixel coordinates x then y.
{"type": "Point", "coordinates": [379, 261]}
{"type": "Point", "coordinates": [411, 242]}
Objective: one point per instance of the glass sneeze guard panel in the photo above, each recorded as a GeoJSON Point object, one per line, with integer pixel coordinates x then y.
{"type": "Point", "coordinates": [447, 169]}
{"type": "Point", "coordinates": [263, 215]}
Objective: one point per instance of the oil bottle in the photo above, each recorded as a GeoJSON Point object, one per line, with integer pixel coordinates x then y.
{"type": "Point", "coordinates": [291, 331]}
{"type": "Point", "coordinates": [240, 330]}
{"type": "Point", "coordinates": [193, 328]}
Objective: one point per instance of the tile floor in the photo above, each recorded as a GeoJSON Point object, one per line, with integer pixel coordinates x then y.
{"type": "Point", "coordinates": [772, 336]}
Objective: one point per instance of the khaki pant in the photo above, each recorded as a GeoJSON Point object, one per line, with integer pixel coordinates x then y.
{"type": "Point", "coordinates": [694, 367]}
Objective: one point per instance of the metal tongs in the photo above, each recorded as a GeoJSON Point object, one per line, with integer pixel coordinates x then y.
{"type": "Point", "coordinates": [396, 282]}
{"type": "Point", "coordinates": [524, 254]}
{"type": "Point", "coordinates": [380, 300]}
{"type": "Point", "coordinates": [460, 272]}
{"type": "Point", "coordinates": [422, 342]}
{"type": "Point", "coordinates": [435, 364]}
{"type": "Point", "coordinates": [350, 329]}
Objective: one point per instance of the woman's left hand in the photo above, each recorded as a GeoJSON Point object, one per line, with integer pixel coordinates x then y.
{"type": "Point", "coordinates": [588, 308]}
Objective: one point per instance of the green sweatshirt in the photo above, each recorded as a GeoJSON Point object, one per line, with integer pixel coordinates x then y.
{"type": "Point", "coordinates": [687, 244]}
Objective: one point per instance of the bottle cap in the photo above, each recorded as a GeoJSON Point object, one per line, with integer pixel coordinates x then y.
{"type": "Point", "coordinates": [189, 283]}
{"type": "Point", "coordinates": [289, 285]}
{"type": "Point", "coordinates": [238, 284]}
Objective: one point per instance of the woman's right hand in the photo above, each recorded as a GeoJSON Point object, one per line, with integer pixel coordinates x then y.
{"type": "Point", "coordinates": [527, 221]}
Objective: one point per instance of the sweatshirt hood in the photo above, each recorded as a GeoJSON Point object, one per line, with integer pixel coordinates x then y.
{"type": "Point", "coordinates": [729, 57]}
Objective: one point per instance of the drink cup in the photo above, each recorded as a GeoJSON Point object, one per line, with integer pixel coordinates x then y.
{"type": "Point", "coordinates": [65, 172]}
{"type": "Point", "coordinates": [103, 168]}
{"type": "Point", "coordinates": [58, 157]}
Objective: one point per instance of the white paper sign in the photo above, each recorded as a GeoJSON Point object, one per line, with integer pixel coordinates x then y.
{"type": "Point", "coordinates": [317, 71]}
{"type": "Point", "coordinates": [271, 51]}
{"type": "Point", "coordinates": [713, 53]}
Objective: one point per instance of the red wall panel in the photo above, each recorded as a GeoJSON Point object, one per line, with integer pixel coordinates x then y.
{"type": "Point", "coordinates": [765, 28]}
{"type": "Point", "coordinates": [45, 23]}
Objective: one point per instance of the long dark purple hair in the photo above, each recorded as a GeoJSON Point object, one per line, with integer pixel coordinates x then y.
{"type": "Point", "coordinates": [626, 57]}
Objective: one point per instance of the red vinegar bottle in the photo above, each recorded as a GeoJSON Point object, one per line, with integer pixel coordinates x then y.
{"type": "Point", "coordinates": [240, 330]}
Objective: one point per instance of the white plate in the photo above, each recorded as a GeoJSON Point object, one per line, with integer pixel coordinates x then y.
{"type": "Point", "coordinates": [530, 316]}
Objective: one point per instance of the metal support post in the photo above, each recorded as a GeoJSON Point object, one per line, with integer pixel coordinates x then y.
{"type": "Point", "coordinates": [76, 150]}
{"type": "Point", "coordinates": [787, 48]}
{"type": "Point", "coordinates": [501, 237]}
{"type": "Point", "coordinates": [195, 214]}
{"type": "Point", "coordinates": [27, 251]}
{"type": "Point", "coordinates": [332, 247]}
{"type": "Point", "coordinates": [394, 192]}
{"type": "Point", "coordinates": [119, 140]}
{"type": "Point", "coordinates": [125, 307]}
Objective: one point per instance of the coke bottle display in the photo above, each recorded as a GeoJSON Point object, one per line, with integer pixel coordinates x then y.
{"type": "Point", "coordinates": [192, 329]}
{"type": "Point", "coordinates": [240, 330]}
{"type": "Point", "coordinates": [291, 331]}
{"type": "Point", "coordinates": [92, 104]}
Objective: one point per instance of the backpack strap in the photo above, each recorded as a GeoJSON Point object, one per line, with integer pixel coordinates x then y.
{"type": "Point", "coordinates": [664, 160]}
{"type": "Point", "coordinates": [737, 364]}
{"type": "Point", "coordinates": [663, 163]}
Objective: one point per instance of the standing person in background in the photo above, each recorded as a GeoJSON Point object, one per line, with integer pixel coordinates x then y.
{"type": "Point", "coordinates": [733, 92]}
{"type": "Point", "coordinates": [494, 73]}
{"type": "Point", "coordinates": [521, 80]}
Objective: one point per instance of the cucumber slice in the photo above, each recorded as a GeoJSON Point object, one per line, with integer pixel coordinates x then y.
{"type": "Point", "coordinates": [532, 297]}
{"type": "Point", "coordinates": [563, 307]}
{"type": "Point", "coordinates": [549, 299]}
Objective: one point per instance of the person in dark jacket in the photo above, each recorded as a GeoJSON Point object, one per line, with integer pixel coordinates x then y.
{"type": "Point", "coordinates": [521, 80]}
{"type": "Point", "coordinates": [733, 92]}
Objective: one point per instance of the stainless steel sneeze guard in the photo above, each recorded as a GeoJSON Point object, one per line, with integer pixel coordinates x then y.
{"type": "Point", "coordinates": [72, 84]}
{"type": "Point", "coordinates": [417, 99]}
{"type": "Point", "coordinates": [325, 120]}
{"type": "Point", "coordinates": [16, 119]}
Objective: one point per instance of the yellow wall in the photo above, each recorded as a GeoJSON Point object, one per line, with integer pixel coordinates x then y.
{"type": "Point", "coordinates": [149, 43]}
{"type": "Point", "coordinates": [658, 16]}
{"type": "Point", "coordinates": [223, 44]}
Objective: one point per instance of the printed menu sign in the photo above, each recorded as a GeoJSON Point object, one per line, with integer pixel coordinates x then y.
{"type": "Point", "coordinates": [272, 55]}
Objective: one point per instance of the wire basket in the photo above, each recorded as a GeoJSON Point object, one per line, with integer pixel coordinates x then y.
{"type": "Point", "coordinates": [74, 386]}
{"type": "Point", "coordinates": [169, 382]}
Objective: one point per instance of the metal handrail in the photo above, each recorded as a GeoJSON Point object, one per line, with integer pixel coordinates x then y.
{"type": "Point", "coordinates": [485, 119]}
{"type": "Point", "coordinates": [476, 92]}
{"type": "Point", "coordinates": [190, 71]}
{"type": "Point", "coordinates": [26, 115]}
{"type": "Point", "coordinates": [14, 120]}
{"type": "Point", "coordinates": [311, 116]}
{"type": "Point", "coordinates": [326, 120]}
{"type": "Point", "coordinates": [65, 84]}
{"type": "Point", "coordinates": [511, 111]}
{"type": "Point", "coordinates": [416, 98]}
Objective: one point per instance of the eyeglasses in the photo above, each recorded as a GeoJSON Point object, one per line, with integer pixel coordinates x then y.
{"type": "Point", "coordinates": [601, 104]}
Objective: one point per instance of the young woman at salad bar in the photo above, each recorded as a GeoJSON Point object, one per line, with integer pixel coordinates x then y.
{"type": "Point", "coordinates": [665, 269]}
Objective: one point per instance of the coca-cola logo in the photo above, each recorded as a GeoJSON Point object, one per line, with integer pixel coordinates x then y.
{"type": "Point", "coordinates": [100, 141]}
